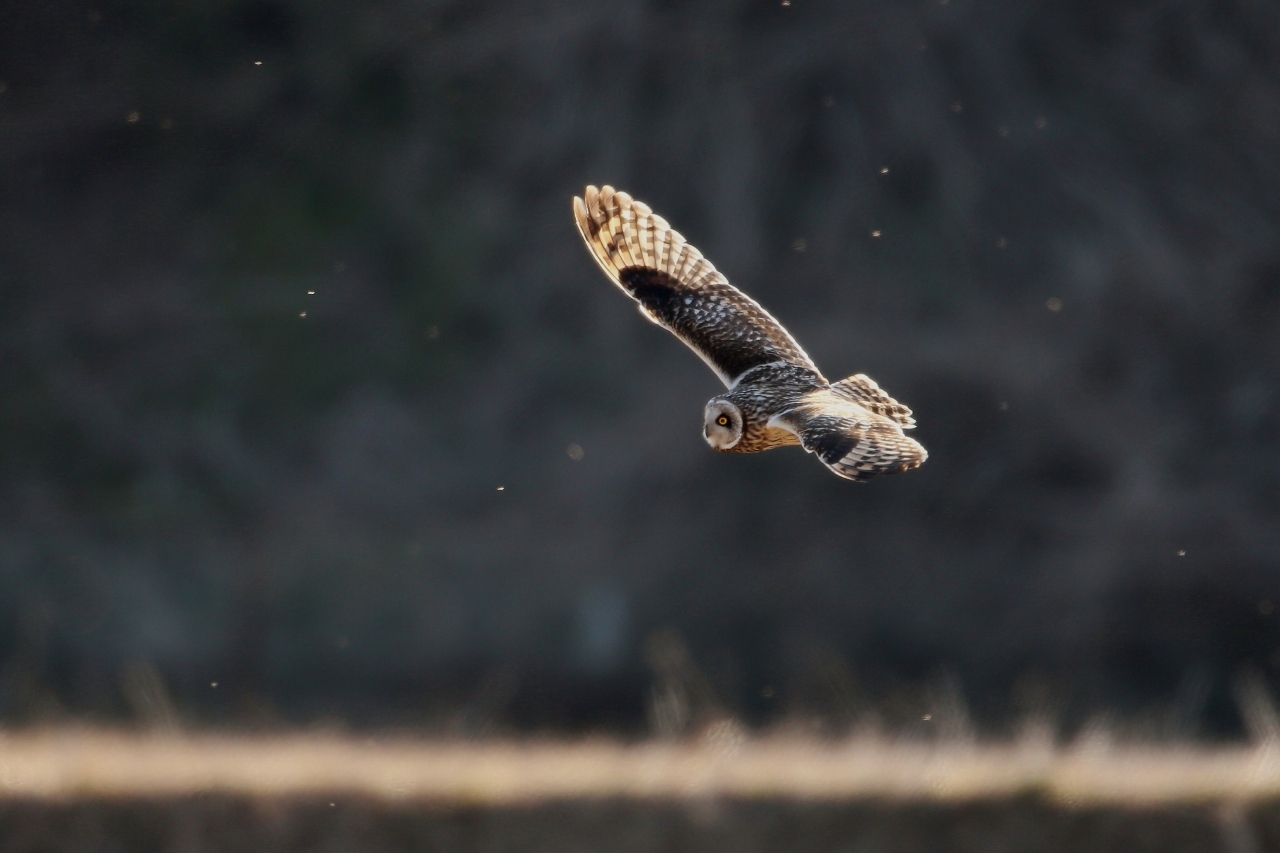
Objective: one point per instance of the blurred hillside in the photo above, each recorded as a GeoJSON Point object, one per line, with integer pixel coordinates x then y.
{"type": "Point", "coordinates": [309, 391]}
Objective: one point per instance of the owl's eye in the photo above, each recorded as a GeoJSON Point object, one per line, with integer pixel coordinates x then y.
{"type": "Point", "coordinates": [722, 420]}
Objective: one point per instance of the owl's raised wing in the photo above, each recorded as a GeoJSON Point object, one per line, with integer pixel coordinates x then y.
{"type": "Point", "coordinates": [679, 289]}
{"type": "Point", "coordinates": [864, 391]}
{"type": "Point", "coordinates": [852, 441]}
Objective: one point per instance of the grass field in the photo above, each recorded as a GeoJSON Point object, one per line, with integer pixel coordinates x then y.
{"type": "Point", "coordinates": [85, 789]}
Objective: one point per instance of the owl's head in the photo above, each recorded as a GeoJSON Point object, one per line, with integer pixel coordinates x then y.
{"type": "Point", "coordinates": [722, 424]}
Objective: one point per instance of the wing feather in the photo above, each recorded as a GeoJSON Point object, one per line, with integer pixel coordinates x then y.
{"type": "Point", "coordinates": [679, 289]}
{"type": "Point", "coordinates": [852, 441]}
{"type": "Point", "coordinates": [864, 391]}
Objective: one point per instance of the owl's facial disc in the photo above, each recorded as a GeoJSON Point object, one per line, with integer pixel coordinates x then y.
{"type": "Point", "coordinates": [722, 424]}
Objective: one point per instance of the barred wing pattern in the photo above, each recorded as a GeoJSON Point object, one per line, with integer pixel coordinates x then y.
{"type": "Point", "coordinates": [864, 391]}
{"type": "Point", "coordinates": [855, 443]}
{"type": "Point", "coordinates": [679, 289]}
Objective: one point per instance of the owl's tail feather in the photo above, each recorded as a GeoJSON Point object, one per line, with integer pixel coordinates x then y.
{"type": "Point", "coordinates": [864, 391]}
{"type": "Point", "coordinates": [623, 233]}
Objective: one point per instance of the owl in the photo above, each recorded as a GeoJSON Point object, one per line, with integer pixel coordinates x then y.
{"type": "Point", "coordinates": [775, 394]}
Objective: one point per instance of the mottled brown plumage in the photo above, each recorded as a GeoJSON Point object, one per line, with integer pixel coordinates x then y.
{"type": "Point", "coordinates": [776, 395]}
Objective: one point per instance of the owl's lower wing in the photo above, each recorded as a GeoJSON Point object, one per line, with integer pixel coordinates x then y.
{"type": "Point", "coordinates": [679, 289]}
{"type": "Point", "coordinates": [853, 442]}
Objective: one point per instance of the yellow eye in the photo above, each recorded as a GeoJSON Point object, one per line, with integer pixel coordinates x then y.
{"type": "Point", "coordinates": [722, 420]}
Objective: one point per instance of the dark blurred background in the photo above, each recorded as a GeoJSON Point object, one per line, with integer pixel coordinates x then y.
{"type": "Point", "coordinates": [314, 408]}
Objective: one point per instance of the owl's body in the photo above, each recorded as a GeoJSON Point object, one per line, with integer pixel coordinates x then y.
{"type": "Point", "coordinates": [776, 395]}
{"type": "Point", "coordinates": [764, 392]}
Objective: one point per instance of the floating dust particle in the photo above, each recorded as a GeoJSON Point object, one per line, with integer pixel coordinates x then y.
{"type": "Point", "coordinates": [1182, 553]}
{"type": "Point", "coordinates": [311, 293]}
{"type": "Point", "coordinates": [1004, 405]}
{"type": "Point", "coordinates": [502, 488]}
{"type": "Point", "coordinates": [957, 107]}
{"type": "Point", "coordinates": [884, 170]}
{"type": "Point", "coordinates": [1054, 304]}
{"type": "Point", "coordinates": [213, 684]}
{"type": "Point", "coordinates": [927, 717]}
{"type": "Point", "coordinates": [1001, 243]}
{"type": "Point", "coordinates": [259, 62]}
{"type": "Point", "coordinates": [302, 313]}
{"type": "Point", "coordinates": [433, 332]}
{"type": "Point", "coordinates": [875, 233]}
{"type": "Point", "coordinates": [133, 117]}
{"type": "Point", "coordinates": [575, 452]}
{"type": "Point", "coordinates": [166, 124]}
{"type": "Point", "coordinates": [799, 244]}
{"type": "Point", "coordinates": [1041, 123]}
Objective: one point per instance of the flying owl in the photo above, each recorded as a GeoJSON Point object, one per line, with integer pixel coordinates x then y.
{"type": "Point", "coordinates": [776, 395]}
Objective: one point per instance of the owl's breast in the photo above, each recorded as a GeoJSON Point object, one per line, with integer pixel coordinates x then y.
{"type": "Point", "coordinates": [761, 436]}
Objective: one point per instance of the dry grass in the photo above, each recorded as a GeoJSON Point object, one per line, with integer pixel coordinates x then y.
{"type": "Point", "coordinates": [86, 789]}
{"type": "Point", "coordinates": [85, 763]}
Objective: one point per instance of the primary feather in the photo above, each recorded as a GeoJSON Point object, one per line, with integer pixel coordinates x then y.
{"type": "Point", "coordinates": [849, 439]}
{"type": "Point", "coordinates": [679, 289]}
{"type": "Point", "coordinates": [864, 391]}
